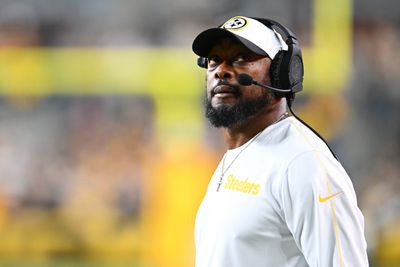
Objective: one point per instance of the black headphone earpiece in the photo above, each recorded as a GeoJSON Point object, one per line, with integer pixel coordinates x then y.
{"type": "Point", "coordinates": [202, 62]}
{"type": "Point", "coordinates": [274, 70]}
{"type": "Point", "coordinates": [287, 68]}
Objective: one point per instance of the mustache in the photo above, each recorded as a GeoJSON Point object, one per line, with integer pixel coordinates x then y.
{"type": "Point", "coordinates": [228, 87]}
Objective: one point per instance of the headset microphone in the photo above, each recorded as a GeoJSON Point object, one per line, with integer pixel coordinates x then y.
{"type": "Point", "coordinates": [246, 80]}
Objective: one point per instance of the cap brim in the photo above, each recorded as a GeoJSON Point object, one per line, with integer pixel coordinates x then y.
{"type": "Point", "coordinates": [206, 40]}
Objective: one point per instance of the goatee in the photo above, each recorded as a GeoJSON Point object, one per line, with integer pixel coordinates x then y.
{"type": "Point", "coordinates": [230, 116]}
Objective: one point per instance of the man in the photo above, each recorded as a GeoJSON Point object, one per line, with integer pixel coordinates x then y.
{"type": "Point", "coordinates": [279, 197]}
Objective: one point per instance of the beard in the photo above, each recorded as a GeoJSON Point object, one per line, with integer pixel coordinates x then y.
{"type": "Point", "coordinates": [230, 116]}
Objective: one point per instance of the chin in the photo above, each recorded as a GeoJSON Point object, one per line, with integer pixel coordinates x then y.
{"type": "Point", "coordinates": [226, 103]}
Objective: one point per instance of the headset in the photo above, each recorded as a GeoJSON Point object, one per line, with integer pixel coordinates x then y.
{"type": "Point", "coordinates": [287, 70]}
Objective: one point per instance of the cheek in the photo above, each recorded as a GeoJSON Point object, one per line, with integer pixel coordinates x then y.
{"type": "Point", "coordinates": [266, 79]}
{"type": "Point", "coordinates": [209, 82]}
{"type": "Point", "coordinates": [207, 79]}
{"type": "Point", "coordinates": [261, 77]}
{"type": "Point", "coordinates": [253, 91]}
{"type": "Point", "coordinates": [261, 72]}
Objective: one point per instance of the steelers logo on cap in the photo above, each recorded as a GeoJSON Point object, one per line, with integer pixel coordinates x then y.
{"type": "Point", "coordinates": [235, 23]}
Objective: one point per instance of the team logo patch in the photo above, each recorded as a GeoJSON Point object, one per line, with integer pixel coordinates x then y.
{"type": "Point", "coordinates": [235, 23]}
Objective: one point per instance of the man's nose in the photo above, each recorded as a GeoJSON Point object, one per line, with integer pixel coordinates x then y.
{"type": "Point", "coordinates": [224, 71]}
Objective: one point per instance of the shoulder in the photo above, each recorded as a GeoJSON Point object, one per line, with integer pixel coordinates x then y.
{"type": "Point", "coordinates": [290, 140]}
{"type": "Point", "coordinates": [306, 165]}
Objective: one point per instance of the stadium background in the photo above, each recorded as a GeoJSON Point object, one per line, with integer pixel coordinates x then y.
{"type": "Point", "coordinates": [104, 151]}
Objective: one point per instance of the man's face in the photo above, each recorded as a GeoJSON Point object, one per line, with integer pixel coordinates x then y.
{"type": "Point", "coordinates": [227, 103]}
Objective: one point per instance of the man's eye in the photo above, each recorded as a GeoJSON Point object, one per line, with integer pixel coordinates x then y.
{"type": "Point", "coordinates": [241, 58]}
{"type": "Point", "coordinates": [213, 61]}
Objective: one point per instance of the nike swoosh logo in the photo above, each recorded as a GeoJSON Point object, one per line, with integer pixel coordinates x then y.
{"type": "Point", "coordinates": [324, 199]}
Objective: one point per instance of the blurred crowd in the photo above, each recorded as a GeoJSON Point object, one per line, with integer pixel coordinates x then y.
{"type": "Point", "coordinates": [73, 167]}
{"type": "Point", "coordinates": [371, 139]}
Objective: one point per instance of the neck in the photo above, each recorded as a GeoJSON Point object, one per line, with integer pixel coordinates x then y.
{"type": "Point", "coordinates": [238, 135]}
